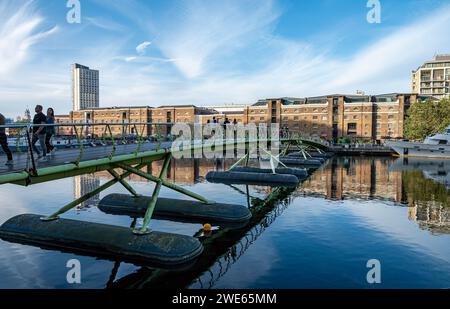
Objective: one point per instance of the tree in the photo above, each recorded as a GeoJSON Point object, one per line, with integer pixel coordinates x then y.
{"type": "Point", "coordinates": [427, 117]}
{"type": "Point", "coordinates": [27, 115]}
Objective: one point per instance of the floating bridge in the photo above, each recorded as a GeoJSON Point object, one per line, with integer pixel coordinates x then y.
{"type": "Point", "coordinates": [122, 157]}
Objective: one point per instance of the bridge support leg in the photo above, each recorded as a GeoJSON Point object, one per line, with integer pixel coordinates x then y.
{"type": "Point", "coordinates": [246, 157]}
{"type": "Point", "coordinates": [123, 182]}
{"type": "Point", "coordinates": [164, 183]}
{"type": "Point", "coordinates": [151, 205]}
{"type": "Point", "coordinates": [87, 196]}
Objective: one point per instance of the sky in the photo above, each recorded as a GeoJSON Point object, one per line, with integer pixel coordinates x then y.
{"type": "Point", "coordinates": [213, 52]}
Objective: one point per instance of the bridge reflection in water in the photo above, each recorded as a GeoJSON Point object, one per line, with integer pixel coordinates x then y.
{"type": "Point", "coordinates": [395, 183]}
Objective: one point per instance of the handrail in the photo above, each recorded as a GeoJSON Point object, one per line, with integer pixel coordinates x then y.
{"type": "Point", "coordinates": [71, 124]}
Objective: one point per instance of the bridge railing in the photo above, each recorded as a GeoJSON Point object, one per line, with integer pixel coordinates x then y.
{"type": "Point", "coordinates": [103, 138]}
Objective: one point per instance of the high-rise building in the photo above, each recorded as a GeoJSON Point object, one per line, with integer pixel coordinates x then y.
{"type": "Point", "coordinates": [85, 87]}
{"type": "Point", "coordinates": [433, 77]}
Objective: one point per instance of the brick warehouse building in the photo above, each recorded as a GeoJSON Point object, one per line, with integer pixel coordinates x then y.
{"type": "Point", "coordinates": [331, 117]}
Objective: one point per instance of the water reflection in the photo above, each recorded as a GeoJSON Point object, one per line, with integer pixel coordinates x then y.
{"type": "Point", "coordinates": [420, 186]}
{"type": "Point", "coordinates": [426, 183]}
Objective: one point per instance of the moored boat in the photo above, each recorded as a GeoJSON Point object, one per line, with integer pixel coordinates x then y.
{"type": "Point", "coordinates": [434, 146]}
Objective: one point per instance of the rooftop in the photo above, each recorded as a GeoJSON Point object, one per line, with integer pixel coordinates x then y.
{"type": "Point", "coordinates": [113, 107]}
{"type": "Point", "coordinates": [443, 57]}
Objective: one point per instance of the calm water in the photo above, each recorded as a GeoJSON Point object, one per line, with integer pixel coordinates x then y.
{"type": "Point", "coordinates": [319, 235]}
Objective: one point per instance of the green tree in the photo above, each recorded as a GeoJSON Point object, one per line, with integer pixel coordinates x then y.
{"type": "Point", "coordinates": [427, 117]}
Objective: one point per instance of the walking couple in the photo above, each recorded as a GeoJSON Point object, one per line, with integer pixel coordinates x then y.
{"type": "Point", "coordinates": [43, 134]}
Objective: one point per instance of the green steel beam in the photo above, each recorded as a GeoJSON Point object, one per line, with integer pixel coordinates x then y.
{"type": "Point", "coordinates": [123, 182]}
{"type": "Point", "coordinates": [151, 205]}
{"type": "Point", "coordinates": [87, 196]}
{"type": "Point", "coordinates": [164, 183]}
{"type": "Point", "coordinates": [85, 167]}
{"type": "Point", "coordinates": [91, 166]}
{"type": "Point", "coordinates": [240, 161]}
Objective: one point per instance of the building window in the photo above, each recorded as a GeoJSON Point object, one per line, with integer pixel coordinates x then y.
{"type": "Point", "coordinates": [295, 117]}
{"type": "Point", "coordinates": [351, 126]}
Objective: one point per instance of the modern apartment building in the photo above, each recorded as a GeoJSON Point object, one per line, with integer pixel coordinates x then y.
{"type": "Point", "coordinates": [433, 77]}
{"type": "Point", "coordinates": [85, 87]}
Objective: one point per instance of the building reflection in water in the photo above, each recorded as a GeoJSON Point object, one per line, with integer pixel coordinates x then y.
{"type": "Point", "coordinates": [405, 183]}
{"type": "Point", "coordinates": [342, 178]}
{"type": "Point", "coordinates": [84, 184]}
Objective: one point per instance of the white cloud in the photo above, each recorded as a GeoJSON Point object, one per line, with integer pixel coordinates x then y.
{"type": "Point", "coordinates": [199, 32]}
{"type": "Point", "coordinates": [220, 51]}
{"type": "Point", "coordinates": [140, 49]}
{"type": "Point", "coordinates": [285, 67]}
{"type": "Point", "coordinates": [19, 30]}
{"type": "Point", "coordinates": [131, 58]}
{"type": "Point", "coordinates": [104, 23]}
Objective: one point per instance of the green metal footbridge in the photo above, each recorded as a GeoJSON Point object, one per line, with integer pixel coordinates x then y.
{"type": "Point", "coordinates": [122, 156]}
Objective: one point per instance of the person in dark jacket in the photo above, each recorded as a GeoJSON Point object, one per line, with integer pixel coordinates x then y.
{"type": "Point", "coordinates": [4, 141]}
{"type": "Point", "coordinates": [50, 131]}
{"type": "Point", "coordinates": [39, 132]}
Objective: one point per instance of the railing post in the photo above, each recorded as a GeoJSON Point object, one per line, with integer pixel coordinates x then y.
{"type": "Point", "coordinates": [30, 148]}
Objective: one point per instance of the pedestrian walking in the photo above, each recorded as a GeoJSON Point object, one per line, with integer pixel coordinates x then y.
{"type": "Point", "coordinates": [4, 141]}
{"type": "Point", "coordinates": [50, 131]}
{"type": "Point", "coordinates": [39, 133]}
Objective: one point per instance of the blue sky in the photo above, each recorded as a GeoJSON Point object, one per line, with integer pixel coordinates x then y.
{"type": "Point", "coordinates": [213, 52]}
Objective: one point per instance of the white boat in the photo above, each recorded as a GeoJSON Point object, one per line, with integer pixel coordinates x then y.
{"type": "Point", "coordinates": [432, 168]}
{"type": "Point", "coordinates": [434, 146]}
